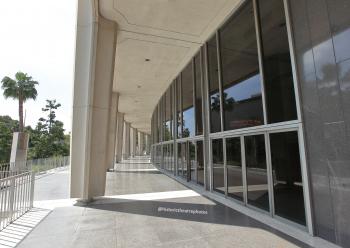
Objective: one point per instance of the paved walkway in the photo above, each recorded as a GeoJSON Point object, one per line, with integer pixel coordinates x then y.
{"type": "Point", "coordinates": [145, 208]}
{"type": "Point", "coordinates": [52, 185]}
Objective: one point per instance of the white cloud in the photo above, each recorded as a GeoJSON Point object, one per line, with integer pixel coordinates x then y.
{"type": "Point", "coordinates": [38, 37]}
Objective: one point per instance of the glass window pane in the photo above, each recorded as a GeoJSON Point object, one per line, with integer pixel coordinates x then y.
{"type": "Point", "coordinates": [242, 97]}
{"type": "Point", "coordinates": [179, 160]}
{"type": "Point", "coordinates": [192, 160]}
{"type": "Point", "coordinates": [200, 163]}
{"type": "Point", "coordinates": [168, 119]}
{"type": "Point", "coordinates": [218, 166]}
{"type": "Point", "coordinates": [278, 78]}
{"type": "Point", "coordinates": [257, 184]}
{"type": "Point", "coordinates": [184, 160]}
{"type": "Point", "coordinates": [187, 101]}
{"type": "Point", "coordinates": [178, 107]}
{"type": "Point", "coordinates": [234, 168]}
{"type": "Point", "coordinates": [172, 157]}
{"type": "Point", "coordinates": [198, 85]}
{"type": "Point", "coordinates": [214, 95]}
{"type": "Point", "coordinates": [287, 180]}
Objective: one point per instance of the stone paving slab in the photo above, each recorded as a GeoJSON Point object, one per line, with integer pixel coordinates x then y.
{"type": "Point", "coordinates": [132, 217]}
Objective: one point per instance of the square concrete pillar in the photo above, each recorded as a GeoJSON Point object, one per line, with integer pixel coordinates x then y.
{"type": "Point", "coordinates": [141, 143]}
{"type": "Point", "coordinates": [119, 137]}
{"type": "Point", "coordinates": [112, 131]}
{"type": "Point", "coordinates": [133, 147]}
{"type": "Point", "coordinates": [126, 141]}
{"type": "Point", "coordinates": [93, 82]}
{"type": "Point", "coordinates": [19, 151]}
{"type": "Point", "coordinates": [148, 143]}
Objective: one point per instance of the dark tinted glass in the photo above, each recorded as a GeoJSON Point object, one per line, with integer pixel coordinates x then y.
{"type": "Point", "coordinates": [242, 98]}
{"type": "Point", "coordinates": [159, 155]}
{"type": "Point", "coordinates": [162, 115]}
{"type": "Point", "coordinates": [184, 160]}
{"type": "Point", "coordinates": [179, 160]}
{"type": "Point", "coordinates": [192, 160]}
{"type": "Point", "coordinates": [164, 162]}
{"type": "Point", "coordinates": [280, 98]}
{"type": "Point", "coordinates": [187, 101]}
{"type": "Point", "coordinates": [198, 91]}
{"type": "Point", "coordinates": [234, 168]}
{"type": "Point", "coordinates": [171, 158]}
{"type": "Point", "coordinates": [168, 115]}
{"type": "Point", "coordinates": [287, 180]}
{"type": "Point", "coordinates": [257, 184]}
{"type": "Point", "coordinates": [218, 165]}
{"type": "Point", "coordinates": [214, 96]}
{"type": "Point", "coordinates": [178, 107]}
{"type": "Point", "coordinates": [200, 163]}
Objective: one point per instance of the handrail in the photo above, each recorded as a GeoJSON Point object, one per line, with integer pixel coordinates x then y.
{"type": "Point", "coordinates": [16, 196]}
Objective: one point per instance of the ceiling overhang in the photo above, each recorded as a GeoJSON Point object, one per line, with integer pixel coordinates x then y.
{"type": "Point", "coordinates": [155, 40]}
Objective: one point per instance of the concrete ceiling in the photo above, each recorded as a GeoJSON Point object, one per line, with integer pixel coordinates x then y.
{"type": "Point", "coordinates": [155, 40]}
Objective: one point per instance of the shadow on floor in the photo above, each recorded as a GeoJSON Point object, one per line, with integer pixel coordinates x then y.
{"type": "Point", "coordinates": [206, 213]}
{"type": "Point", "coordinates": [138, 172]}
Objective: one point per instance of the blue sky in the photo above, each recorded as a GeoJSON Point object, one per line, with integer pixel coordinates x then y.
{"type": "Point", "coordinates": [38, 37]}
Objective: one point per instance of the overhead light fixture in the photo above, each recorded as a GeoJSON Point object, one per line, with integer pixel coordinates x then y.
{"type": "Point", "coordinates": [147, 60]}
{"type": "Point", "coordinates": [138, 86]}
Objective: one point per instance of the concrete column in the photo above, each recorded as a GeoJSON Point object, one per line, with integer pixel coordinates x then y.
{"type": "Point", "coordinates": [112, 131]}
{"type": "Point", "coordinates": [119, 137]}
{"type": "Point", "coordinates": [148, 144]}
{"type": "Point", "coordinates": [19, 151]}
{"type": "Point", "coordinates": [141, 143]}
{"type": "Point", "coordinates": [126, 141]}
{"type": "Point", "coordinates": [93, 81]}
{"type": "Point", "coordinates": [133, 132]}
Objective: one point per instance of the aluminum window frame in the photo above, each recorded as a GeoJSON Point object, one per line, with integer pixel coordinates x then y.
{"type": "Point", "coordinates": [266, 129]}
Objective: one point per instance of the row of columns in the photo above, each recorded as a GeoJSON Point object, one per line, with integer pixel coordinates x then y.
{"type": "Point", "coordinates": [100, 135]}
{"type": "Point", "coordinates": [133, 143]}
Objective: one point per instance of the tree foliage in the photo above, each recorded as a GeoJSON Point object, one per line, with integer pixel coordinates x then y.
{"type": "Point", "coordinates": [21, 88]}
{"type": "Point", "coordinates": [48, 138]}
{"type": "Point", "coordinates": [7, 127]}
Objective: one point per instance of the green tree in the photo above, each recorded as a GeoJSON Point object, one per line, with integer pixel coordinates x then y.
{"type": "Point", "coordinates": [229, 103]}
{"type": "Point", "coordinates": [21, 88]}
{"type": "Point", "coordinates": [7, 127]}
{"type": "Point", "coordinates": [50, 107]}
{"type": "Point", "coordinates": [48, 138]}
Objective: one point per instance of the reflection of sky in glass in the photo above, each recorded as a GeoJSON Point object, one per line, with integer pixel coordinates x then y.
{"type": "Point", "coordinates": [245, 89]}
{"type": "Point", "coordinates": [188, 118]}
{"type": "Point", "coordinates": [341, 44]}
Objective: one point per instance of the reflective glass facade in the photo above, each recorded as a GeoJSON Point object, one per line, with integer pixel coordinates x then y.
{"type": "Point", "coordinates": [242, 100]}
{"type": "Point", "coordinates": [231, 116]}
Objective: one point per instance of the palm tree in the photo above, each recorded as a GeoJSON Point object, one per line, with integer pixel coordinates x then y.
{"type": "Point", "coordinates": [21, 88]}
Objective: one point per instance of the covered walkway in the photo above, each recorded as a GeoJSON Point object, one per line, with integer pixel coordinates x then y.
{"type": "Point", "coordinates": [145, 208]}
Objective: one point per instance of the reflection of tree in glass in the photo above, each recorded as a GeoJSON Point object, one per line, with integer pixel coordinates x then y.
{"type": "Point", "coordinates": [186, 132]}
{"type": "Point", "coordinates": [167, 134]}
{"type": "Point", "coordinates": [228, 102]}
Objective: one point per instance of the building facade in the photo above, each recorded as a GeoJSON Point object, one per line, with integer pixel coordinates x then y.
{"type": "Point", "coordinates": [260, 114]}
{"type": "Point", "coordinates": [246, 100]}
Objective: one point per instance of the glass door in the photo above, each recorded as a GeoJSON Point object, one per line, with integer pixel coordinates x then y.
{"type": "Point", "coordinates": [218, 166]}
{"type": "Point", "coordinates": [235, 187]}
{"type": "Point", "coordinates": [256, 172]}
{"type": "Point", "coordinates": [200, 162]}
{"type": "Point", "coordinates": [192, 160]}
{"type": "Point", "coordinates": [184, 159]}
{"type": "Point", "coordinates": [287, 178]}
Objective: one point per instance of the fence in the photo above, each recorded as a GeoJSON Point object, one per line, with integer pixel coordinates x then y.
{"type": "Point", "coordinates": [16, 196]}
{"type": "Point", "coordinates": [17, 185]}
{"type": "Point", "coordinates": [45, 164]}
{"type": "Point", "coordinates": [37, 165]}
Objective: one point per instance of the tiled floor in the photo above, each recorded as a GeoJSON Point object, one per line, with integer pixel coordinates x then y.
{"type": "Point", "coordinates": [144, 208]}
